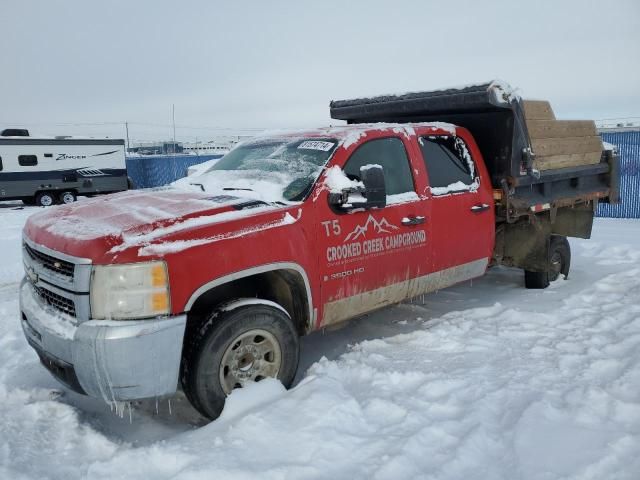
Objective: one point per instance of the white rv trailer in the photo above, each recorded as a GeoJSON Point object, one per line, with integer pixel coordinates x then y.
{"type": "Point", "coordinates": [46, 171]}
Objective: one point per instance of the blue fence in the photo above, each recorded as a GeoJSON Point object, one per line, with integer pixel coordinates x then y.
{"type": "Point", "coordinates": [628, 143]}
{"type": "Point", "coordinates": [156, 170]}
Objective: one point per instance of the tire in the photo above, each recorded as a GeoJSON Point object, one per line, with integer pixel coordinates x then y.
{"type": "Point", "coordinates": [559, 263]}
{"type": "Point", "coordinates": [235, 347]}
{"type": "Point", "coordinates": [29, 200]}
{"type": "Point", "coordinates": [67, 197]}
{"type": "Point", "coordinates": [45, 199]}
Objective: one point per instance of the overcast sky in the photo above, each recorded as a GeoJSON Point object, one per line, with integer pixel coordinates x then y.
{"type": "Point", "coordinates": [277, 64]}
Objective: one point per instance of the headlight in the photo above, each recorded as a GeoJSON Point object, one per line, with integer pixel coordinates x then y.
{"type": "Point", "coordinates": [135, 290]}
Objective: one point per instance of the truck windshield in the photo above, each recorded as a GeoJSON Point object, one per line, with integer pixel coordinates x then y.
{"type": "Point", "coordinates": [270, 169]}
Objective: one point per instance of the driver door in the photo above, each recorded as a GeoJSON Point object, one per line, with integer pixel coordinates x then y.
{"type": "Point", "coordinates": [370, 258]}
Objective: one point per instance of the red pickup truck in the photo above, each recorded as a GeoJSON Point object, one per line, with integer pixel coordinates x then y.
{"type": "Point", "coordinates": [210, 283]}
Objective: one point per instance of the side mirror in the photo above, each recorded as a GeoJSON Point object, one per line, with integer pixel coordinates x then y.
{"type": "Point", "coordinates": [374, 188]}
{"type": "Point", "coordinates": [373, 195]}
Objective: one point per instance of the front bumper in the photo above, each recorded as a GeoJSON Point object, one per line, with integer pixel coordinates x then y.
{"type": "Point", "coordinates": [112, 360]}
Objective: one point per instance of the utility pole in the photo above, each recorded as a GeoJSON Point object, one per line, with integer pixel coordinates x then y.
{"type": "Point", "coordinates": [126, 127]}
{"type": "Point", "coordinates": [173, 121]}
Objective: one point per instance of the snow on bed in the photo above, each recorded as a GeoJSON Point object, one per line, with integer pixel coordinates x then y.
{"type": "Point", "coordinates": [503, 92]}
{"type": "Point", "coordinates": [484, 380]}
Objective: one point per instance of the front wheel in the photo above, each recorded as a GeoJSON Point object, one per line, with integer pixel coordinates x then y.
{"type": "Point", "coordinates": [558, 264]}
{"type": "Point", "coordinates": [235, 347]}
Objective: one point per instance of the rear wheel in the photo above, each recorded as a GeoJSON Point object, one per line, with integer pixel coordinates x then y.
{"type": "Point", "coordinates": [558, 264]}
{"type": "Point", "coordinates": [45, 199]}
{"type": "Point", "coordinates": [233, 348]}
{"type": "Point", "coordinates": [67, 197]}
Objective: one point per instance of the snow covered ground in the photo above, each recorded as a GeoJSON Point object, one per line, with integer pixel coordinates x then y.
{"type": "Point", "coordinates": [485, 380]}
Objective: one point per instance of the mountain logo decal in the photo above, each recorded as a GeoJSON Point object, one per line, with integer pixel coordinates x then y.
{"type": "Point", "coordinates": [381, 226]}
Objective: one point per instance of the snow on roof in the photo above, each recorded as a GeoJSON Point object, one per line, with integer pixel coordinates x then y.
{"type": "Point", "coordinates": [350, 134]}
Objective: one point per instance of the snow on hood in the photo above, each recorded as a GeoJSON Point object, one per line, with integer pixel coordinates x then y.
{"type": "Point", "coordinates": [144, 217]}
{"type": "Point", "coordinates": [264, 186]}
{"type": "Point", "coordinates": [164, 248]}
{"type": "Point", "coordinates": [116, 214]}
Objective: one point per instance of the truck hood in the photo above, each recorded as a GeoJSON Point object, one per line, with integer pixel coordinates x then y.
{"type": "Point", "coordinates": [124, 226]}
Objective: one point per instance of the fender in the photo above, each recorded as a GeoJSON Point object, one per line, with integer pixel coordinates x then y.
{"type": "Point", "coordinates": [269, 267]}
{"type": "Point", "coordinates": [243, 302]}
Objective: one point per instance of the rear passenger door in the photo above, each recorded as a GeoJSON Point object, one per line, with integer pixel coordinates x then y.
{"type": "Point", "coordinates": [369, 257]}
{"type": "Point", "coordinates": [461, 208]}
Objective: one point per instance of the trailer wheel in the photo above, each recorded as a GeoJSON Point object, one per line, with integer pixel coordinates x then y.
{"type": "Point", "coordinates": [233, 348]}
{"type": "Point", "coordinates": [559, 264]}
{"type": "Point", "coordinates": [45, 199]}
{"type": "Point", "coordinates": [67, 197]}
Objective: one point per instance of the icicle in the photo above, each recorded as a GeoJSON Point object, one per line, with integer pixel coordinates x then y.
{"type": "Point", "coordinates": [156, 405]}
{"type": "Point", "coordinates": [130, 414]}
{"type": "Point", "coordinates": [169, 400]}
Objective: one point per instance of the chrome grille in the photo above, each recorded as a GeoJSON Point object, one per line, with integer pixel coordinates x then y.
{"type": "Point", "coordinates": [59, 302]}
{"type": "Point", "coordinates": [51, 263]}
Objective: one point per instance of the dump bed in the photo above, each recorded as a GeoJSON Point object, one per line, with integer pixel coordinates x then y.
{"type": "Point", "coordinates": [532, 158]}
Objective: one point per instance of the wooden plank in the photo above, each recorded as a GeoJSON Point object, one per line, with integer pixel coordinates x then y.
{"type": "Point", "coordinates": [561, 128]}
{"type": "Point", "coordinates": [544, 147]}
{"type": "Point", "coordinates": [564, 161]}
{"type": "Point", "coordinates": [537, 110]}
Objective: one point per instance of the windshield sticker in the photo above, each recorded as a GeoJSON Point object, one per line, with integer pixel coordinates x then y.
{"type": "Point", "coordinates": [316, 145]}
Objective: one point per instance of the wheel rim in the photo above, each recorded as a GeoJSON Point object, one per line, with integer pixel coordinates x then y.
{"type": "Point", "coordinates": [46, 200]}
{"type": "Point", "coordinates": [250, 357]}
{"type": "Point", "coordinates": [556, 266]}
{"type": "Point", "coordinates": [67, 198]}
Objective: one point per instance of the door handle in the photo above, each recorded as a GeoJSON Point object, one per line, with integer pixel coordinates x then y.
{"type": "Point", "coordinates": [408, 221]}
{"type": "Point", "coordinates": [480, 208]}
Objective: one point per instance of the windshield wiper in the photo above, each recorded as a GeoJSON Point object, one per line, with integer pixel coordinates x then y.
{"type": "Point", "coordinates": [234, 188]}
